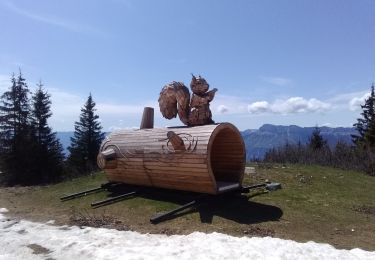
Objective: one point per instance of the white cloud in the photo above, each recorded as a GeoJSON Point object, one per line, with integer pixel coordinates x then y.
{"type": "Point", "coordinates": [356, 102]}
{"type": "Point", "coordinates": [290, 106]}
{"type": "Point", "coordinates": [300, 105]}
{"type": "Point", "coordinates": [279, 81]}
{"type": "Point", "coordinates": [222, 109]}
{"type": "Point", "coordinates": [55, 21]}
{"type": "Point", "coordinates": [258, 107]}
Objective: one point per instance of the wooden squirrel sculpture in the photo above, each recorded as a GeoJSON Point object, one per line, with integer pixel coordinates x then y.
{"type": "Point", "coordinates": [175, 99]}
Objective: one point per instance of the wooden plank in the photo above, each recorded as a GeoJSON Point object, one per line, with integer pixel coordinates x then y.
{"type": "Point", "coordinates": [142, 146]}
{"type": "Point", "coordinates": [178, 169]}
{"type": "Point", "coordinates": [192, 166]}
{"type": "Point", "coordinates": [172, 161]}
{"type": "Point", "coordinates": [155, 133]}
{"type": "Point", "coordinates": [174, 156]}
{"type": "Point", "coordinates": [178, 178]}
{"type": "Point", "coordinates": [146, 172]}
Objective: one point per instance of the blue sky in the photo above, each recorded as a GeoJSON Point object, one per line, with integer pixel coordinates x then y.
{"type": "Point", "coordinates": [281, 62]}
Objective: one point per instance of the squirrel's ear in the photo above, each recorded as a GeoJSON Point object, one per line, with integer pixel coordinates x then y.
{"type": "Point", "coordinates": [193, 77]}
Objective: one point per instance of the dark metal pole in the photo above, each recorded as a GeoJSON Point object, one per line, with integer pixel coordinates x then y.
{"type": "Point", "coordinates": [270, 186]}
{"type": "Point", "coordinates": [160, 217]}
{"type": "Point", "coordinates": [247, 189]}
{"type": "Point", "coordinates": [81, 194]}
{"type": "Point", "coordinates": [97, 204]}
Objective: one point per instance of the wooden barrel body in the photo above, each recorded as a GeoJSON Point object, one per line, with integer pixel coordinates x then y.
{"type": "Point", "coordinates": [196, 159]}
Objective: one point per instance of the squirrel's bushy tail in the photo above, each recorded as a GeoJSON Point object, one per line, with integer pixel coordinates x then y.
{"type": "Point", "coordinates": [174, 99]}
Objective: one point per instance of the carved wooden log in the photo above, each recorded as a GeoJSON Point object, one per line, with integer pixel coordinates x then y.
{"type": "Point", "coordinates": [198, 159]}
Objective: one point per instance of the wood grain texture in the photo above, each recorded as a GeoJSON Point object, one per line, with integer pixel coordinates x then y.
{"type": "Point", "coordinates": [182, 158]}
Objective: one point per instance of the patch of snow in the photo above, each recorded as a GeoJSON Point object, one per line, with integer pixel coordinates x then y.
{"type": "Point", "coordinates": [99, 243]}
{"type": "Point", "coordinates": [3, 210]}
{"type": "Point", "coordinates": [50, 222]}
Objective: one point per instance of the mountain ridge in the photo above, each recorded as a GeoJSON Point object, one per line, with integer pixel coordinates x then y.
{"type": "Point", "coordinates": [268, 136]}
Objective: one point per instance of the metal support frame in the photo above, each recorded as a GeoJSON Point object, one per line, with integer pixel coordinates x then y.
{"type": "Point", "coordinates": [194, 203]}
{"type": "Point", "coordinates": [163, 216]}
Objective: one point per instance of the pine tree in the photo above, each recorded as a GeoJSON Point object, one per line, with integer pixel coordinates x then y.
{"type": "Point", "coordinates": [48, 156]}
{"type": "Point", "coordinates": [316, 140]}
{"type": "Point", "coordinates": [363, 124]}
{"type": "Point", "coordinates": [369, 137]}
{"type": "Point", "coordinates": [16, 142]}
{"type": "Point", "coordinates": [87, 138]}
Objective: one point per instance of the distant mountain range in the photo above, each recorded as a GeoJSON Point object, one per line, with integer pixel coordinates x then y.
{"type": "Point", "coordinates": [258, 141]}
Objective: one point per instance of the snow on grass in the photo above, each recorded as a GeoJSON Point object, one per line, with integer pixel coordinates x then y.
{"type": "Point", "coordinates": [3, 210]}
{"type": "Point", "coordinates": [29, 240]}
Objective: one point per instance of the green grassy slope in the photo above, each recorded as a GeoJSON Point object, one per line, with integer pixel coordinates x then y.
{"type": "Point", "coordinates": [316, 203]}
{"type": "Point", "coordinates": [323, 204]}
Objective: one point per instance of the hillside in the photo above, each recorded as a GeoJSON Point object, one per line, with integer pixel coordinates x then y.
{"type": "Point", "coordinates": [258, 141]}
{"type": "Point", "coordinates": [311, 207]}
